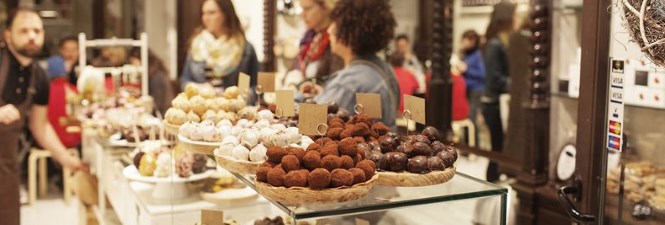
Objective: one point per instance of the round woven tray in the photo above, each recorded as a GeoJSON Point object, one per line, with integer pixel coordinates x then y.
{"type": "Point", "coordinates": [171, 128]}
{"type": "Point", "coordinates": [406, 179]}
{"type": "Point", "coordinates": [200, 147]}
{"type": "Point", "coordinates": [237, 166]}
{"type": "Point", "coordinates": [296, 196]}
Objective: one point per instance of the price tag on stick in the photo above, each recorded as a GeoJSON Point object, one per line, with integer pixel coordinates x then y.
{"type": "Point", "coordinates": [267, 81]}
{"type": "Point", "coordinates": [212, 217]}
{"type": "Point", "coordinates": [368, 104]}
{"type": "Point", "coordinates": [243, 83]}
{"type": "Point", "coordinates": [285, 103]}
{"type": "Point", "coordinates": [313, 119]}
{"type": "Point", "coordinates": [414, 108]}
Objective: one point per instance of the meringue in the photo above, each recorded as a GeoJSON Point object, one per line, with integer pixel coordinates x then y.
{"type": "Point", "coordinates": [258, 153]}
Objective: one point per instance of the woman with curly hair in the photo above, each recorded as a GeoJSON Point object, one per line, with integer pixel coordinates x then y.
{"type": "Point", "coordinates": [360, 29]}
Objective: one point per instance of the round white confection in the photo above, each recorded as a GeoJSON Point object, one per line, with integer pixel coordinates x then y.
{"type": "Point", "coordinates": [280, 127]}
{"type": "Point", "coordinates": [230, 139]}
{"type": "Point", "coordinates": [266, 114]}
{"type": "Point", "coordinates": [250, 138]}
{"type": "Point", "coordinates": [240, 153]}
{"type": "Point", "coordinates": [261, 124]}
{"type": "Point", "coordinates": [225, 122]}
{"type": "Point", "coordinates": [226, 149]}
{"type": "Point", "coordinates": [258, 153]}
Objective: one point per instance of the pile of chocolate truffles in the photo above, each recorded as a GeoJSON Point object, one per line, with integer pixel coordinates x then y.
{"type": "Point", "coordinates": [325, 164]}
{"type": "Point", "coordinates": [420, 153]}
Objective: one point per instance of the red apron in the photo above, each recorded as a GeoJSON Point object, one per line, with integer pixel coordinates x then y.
{"type": "Point", "coordinates": [9, 137]}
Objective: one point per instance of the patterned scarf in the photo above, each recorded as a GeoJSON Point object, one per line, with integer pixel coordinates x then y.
{"type": "Point", "coordinates": [313, 48]}
{"type": "Point", "coordinates": [223, 55]}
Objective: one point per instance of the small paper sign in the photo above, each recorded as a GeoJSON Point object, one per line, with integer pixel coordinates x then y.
{"type": "Point", "coordinates": [313, 118]}
{"type": "Point", "coordinates": [285, 103]}
{"type": "Point", "coordinates": [369, 104]}
{"type": "Point", "coordinates": [414, 108]}
{"type": "Point", "coordinates": [361, 222]}
{"type": "Point", "coordinates": [266, 81]}
{"type": "Point", "coordinates": [212, 217]}
{"type": "Point", "coordinates": [243, 82]}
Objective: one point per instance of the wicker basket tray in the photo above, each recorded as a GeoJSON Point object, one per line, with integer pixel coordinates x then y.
{"type": "Point", "coordinates": [237, 166]}
{"type": "Point", "coordinates": [200, 147]}
{"type": "Point", "coordinates": [406, 179]}
{"type": "Point", "coordinates": [296, 196]}
{"type": "Point", "coordinates": [171, 128]}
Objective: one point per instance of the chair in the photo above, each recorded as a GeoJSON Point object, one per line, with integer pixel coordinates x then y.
{"type": "Point", "coordinates": [458, 129]}
{"type": "Point", "coordinates": [39, 156]}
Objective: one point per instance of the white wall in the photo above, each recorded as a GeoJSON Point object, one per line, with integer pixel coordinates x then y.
{"type": "Point", "coordinates": [250, 13]}
{"type": "Point", "coordinates": [160, 23]}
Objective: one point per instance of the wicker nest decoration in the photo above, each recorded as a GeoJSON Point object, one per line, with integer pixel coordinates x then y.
{"type": "Point", "coordinates": [645, 19]}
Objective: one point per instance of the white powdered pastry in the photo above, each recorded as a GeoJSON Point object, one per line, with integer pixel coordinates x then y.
{"type": "Point", "coordinates": [266, 115]}
{"type": "Point", "coordinates": [278, 126]}
{"type": "Point", "coordinates": [196, 134]}
{"type": "Point", "coordinates": [164, 165]}
{"type": "Point", "coordinates": [244, 123]}
{"type": "Point", "coordinates": [258, 153]}
{"type": "Point", "coordinates": [237, 130]}
{"type": "Point", "coordinates": [186, 129]}
{"type": "Point", "coordinates": [207, 132]}
{"type": "Point", "coordinates": [217, 135]}
{"type": "Point", "coordinates": [231, 140]}
{"type": "Point", "coordinates": [225, 122]}
{"type": "Point", "coordinates": [250, 138]}
{"type": "Point", "coordinates": [266, 135]}
{"type": "Point", "coordinates": [280, 140]}
{"type": "Point", "coordinates": [240, 153]}
{"type": "Point", "coordinates": [262, 124]}
{"type": "Point", "coordinates": [225, 149]}
{"type": "Point", "coordinates": [293, 135]}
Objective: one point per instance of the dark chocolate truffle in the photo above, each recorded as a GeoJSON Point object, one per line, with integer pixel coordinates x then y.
{"type": "Point", "coordinates": [453, 151]}
{"type": "Point", "coordinates": [396, 161]}
{"type": "Point", "coordinates": [435, 163]}
{"type": "Point", "coordinates": [431, 133]}
{"type": "Point", "coordinates": [295, 179]}
{"type": "Point", "coordinates": [418, 164]}
{"type": "Point", "coordinates": [347, 146]}
{"type": "Point", "coordinates": [347, 162]}
{"type": "Point", "coordinates": [364, 149]}
{"type": "Point", "coordinates": [375, 156]}
{"type": "Point", "coordinates": [319, 178]}
{"type": "Point", "coordinates": [340, 178]}
{"type": "Point", "coordinates": [312, 160]}
{"type": "Point", "coordinates": [368, 167]}
{"type": "Point", "coordinates": [276, 177]}
{"type": "Point", "coordinates": [437, 147]}
{"type": "Point", "coordinates": [420, 148]}
{"type": "Point", "coordinates": [275, 154]}
{"type": "Point", "coordinates": [373, 144]}
{"type": "Point", "coordinates": [447, 157]}
{"type": "Point", "coordinates": [333, 108]}
{"type": "Point", "coordinates": [358, 175]}
{"type": "Point", "coordinates": [331, 162]}
{"type": "Point", "coordinates": [421, 138]}
{"type": "Point", "coordinates": [290, 163]}
{"type": "Point", "coordinates": [388, 143]}
{"type": "Point", "coordinates": [406, 148]}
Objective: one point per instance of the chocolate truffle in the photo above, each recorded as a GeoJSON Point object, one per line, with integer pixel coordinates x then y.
{"type": "Point", "coordinates": [295, 179]}
{"type": "Point", "coordinates": [359, 139]}
{"type": "Point", "coordinates": [298, 152]}
{"type": "Point", "coordinates": [368, 167]}
{"type": "Point", "coordinates": [329, 149]}
{"type": "Point", "coordinates": [331, 162]}
{"type": "Point", "coordinates": [375, 156]}
{"type": "Point", "coordinates": [420, 148]}
{"type": "Point", "coordinates": [418, 164]}
{"type": "Point", "coordinates": [346, 133]}
{"type": "Point", "coordinates": [406, 148]}
{"type": "Point", "coordinates": [447, 157]}
{"type": "Point", "coordinates": [364, 149]}
{"type": "Point", "coordinates": [359, 157]}
{"type": "Point", "coordinates": [262, 173]}
{"type": "Point", "coordinates": [362, 118]}
{"type": "Point", "coordinates": [380, 128]}
{"type": "Point", "coordinates": [333, 107]}
{"type": "Point", "coordinates": [358, 175]}
{"type": "Point", "coordinates": [199, 164]}
{"type": "Point", "coordinates": [334, 133]}
{"type": "Point", "coordinates": [437, 147]}
{"type": "Point", "coordinates": [344, 114]}
{"type": "Point", "coordinates": [337, 124]}
{"type": "Point", "coordinates": [388, 143]}
{"type": "Point", "coordinates": [319, 178]}
{"type": "Point", "coordinates": [304, 172]}
{"type": "Point", "coordinates": [453, 151]}
{"type": "Point", "coordinates": [373, 144]}
{"type": "Point", "coordinates": [335, 119]}
{"type": "Point", "coordinates": [313, 147]}
{"type": "Point", "coordinates": [431, 133]}
{"type": "Point", "coordinates": [276, 177]}
{"type": "Point", "coordinates": [360, 129]}
{"type": "Point", "coordinates": [290, 163]}
{"type": "Point", "coordinates": [421, 138]}
{"type": "Point", "coordinates": [268, 164]}
{"type": "Point", "coordinates": [347, 162]}
{"type": "Point", "coordinates": [275, 154]}
{"type": "Point", "coordinates": [396, 161]}
{"type": "Point", "coordinates": [340, 178]}
{"type": "Point", "coordinates": [323, 141]}
{"type": "Point", "coordinates": [392, 134]}
{"type": "Point", "coordinates": [435, 163]}
{"type": "Point", "coordinates": [312, 160]}
{"type": "Point", "coordinates": [347, 146]}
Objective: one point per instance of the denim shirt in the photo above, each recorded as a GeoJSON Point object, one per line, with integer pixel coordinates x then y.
{"type": "Point", "coordinates": [359, 77]}
{"type": "Point", "coordinates": [194, 71]}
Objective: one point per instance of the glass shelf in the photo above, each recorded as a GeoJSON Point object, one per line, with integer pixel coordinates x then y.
{"type": "Point", "coordinates": [461, 187]}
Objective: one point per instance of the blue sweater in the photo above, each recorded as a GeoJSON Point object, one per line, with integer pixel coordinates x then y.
{"type": "Point", "coordinates": [475, 73]}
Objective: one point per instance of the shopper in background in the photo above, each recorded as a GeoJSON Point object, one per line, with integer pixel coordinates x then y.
{"type": "Point", "coordinates": [219, 50]}
{"type": "Point", "coordinates": [473, 70]}
{"type": "Point", "coordinates": [407, 81]}
{"type": "Point", "coordinates": [24, 98]}
{"type": "Point", "coordinates": [159, 84]}
{"type": "Point", "coordinates": [403, 44]}
{"type": "Point", "coordinates": [68, 55]}
{"type": "Point", "coordinates": [357, 39]}
{"type": "Point", "coordinates": [59, 88]}
{"type": "Point", "coordinates": [111, 57]}
{"type": "Point", "coordinates": [496, 77]}
{"type": "Point", "coordinates": [315, 59]}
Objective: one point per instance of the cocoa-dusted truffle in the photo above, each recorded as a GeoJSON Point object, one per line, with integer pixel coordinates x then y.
{"type": "Point", "coordinates": [418, 164]}
{"type": "Point", "coordinates": [406, 148]}
{"type": "Point", "coordinates": [304, 172]}
{"type": "Point", "coordinates": [275, 154]}
{"type": "Point", "coordinates": [333, 120]}
{"type": "Point", "coordinates": [329, 149]}
{"type": "Point", "coordinates": [340, 178]}
{"type": "Point", "coordinates": [447, 157]}
{"type": "Point", "coordinates": [346, 133]}
{"type": "Point", "coordinates": [420, 148]}
{"type": "Point", "coordinates": [396, 161]}
{"type": "Point", "coordinates": [437, 147]}
{"type": "Point", "coordinates": [319, 178]}
{"type": "Point", "coordinates": [364, 149]}
{"type": "Point", "coordinates": [276, 177]}
{"type": "Point", "coordinates": [435, 163]}
{"type": "Point", "coordinates": [347, 146]}
{"type": "Point", "coordinates": [337, 124]}
{"type": "Point", "coordinates": [331, 162]}
{"type": "Point", "coordinates": [295, 179]}
{"type": "Point", "coordinates": [360, 129]}
{"type": "Point", "coordinates": [298, 152]}
{"type": "Point", "coordinates": [312, 160]}
{"type": "Point", "coordinates": [268, 164]}
{"type": "Point", "coordinates": [359, 157]}
{"type": "Point", "coordinates": [388, 143]}
{"type": "Point", "coordinates": [323, 141]}
{"type": "Point", "coordinates": [362, 118]}
{"type": "Point", "coordinates": [368, 167]}
{"type": "Point", "coordinates": [290, 163]}
{"type": "Point", "coordinates": [359, 139]}
{"type": "Point", "coordinates": [358, 175]}
{"type": "Point", "coordinates": [380, 128]}
{"type": "Point", "coordinates": [262, 173]}
{"type": "Point", "coordinates": [431, 133]}
{"type": "Point", "coordinates": [314, 147]}
{"type": "Point", "coordinates": [421, 138]}
{"type": "Point", "coordinates": [334, 133]}
{"type": "Point", "coordinates": [347, 162]}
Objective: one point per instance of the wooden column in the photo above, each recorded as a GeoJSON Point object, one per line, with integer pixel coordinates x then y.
{"type": "Point", "coordinates": [423, 41]}
{"type": "Point", "coordinates": [189, 18]}
{"type": "Point", "coordinates": [269, 33]}
{"type": "Point", "coordinates": [439, 104]}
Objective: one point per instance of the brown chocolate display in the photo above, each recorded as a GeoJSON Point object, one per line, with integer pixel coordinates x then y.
{"type": "Point", "coordinates": [290, 163]}
{"type": "Point", "coordinates": [435, 163]}
{"type": "Point", "coordinates": [406, 148]}
{"type": "Point", "coordinates": [312, 160]}
{"type": "Point", "coordinates": [329, 149]}
{"type": "Point", "coordinates": [276, 176]}
{"type": "Point", "coordinates": [295, 178]}
{"type": "Point", "coordinates": [447, 157]}
{"type": "Point", "coordinates": [319, 178]}
{"type": "Point", "coordinates": [396, 161]}
{"type": "Point", "coordinates": [348, 146]}
{"type": "Point", "coordinates": [431, 133]}
{"type": "Point", "coordinates": [418, 164]}
{"type": "Point", "coordinates": [275, 154]}
{"type": "Point", "coordinates": [420, 153]}
{"type": "Point", "coordinates": [340, 178]}
{"type": "Point", "coordinates": [331, 162]}
{"type": "Point", "coordinates": [437, 147]}
{"type": "Point", "coordinates": [358, 175]}
{"type": "Point", "coordinates": [421, 149]}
